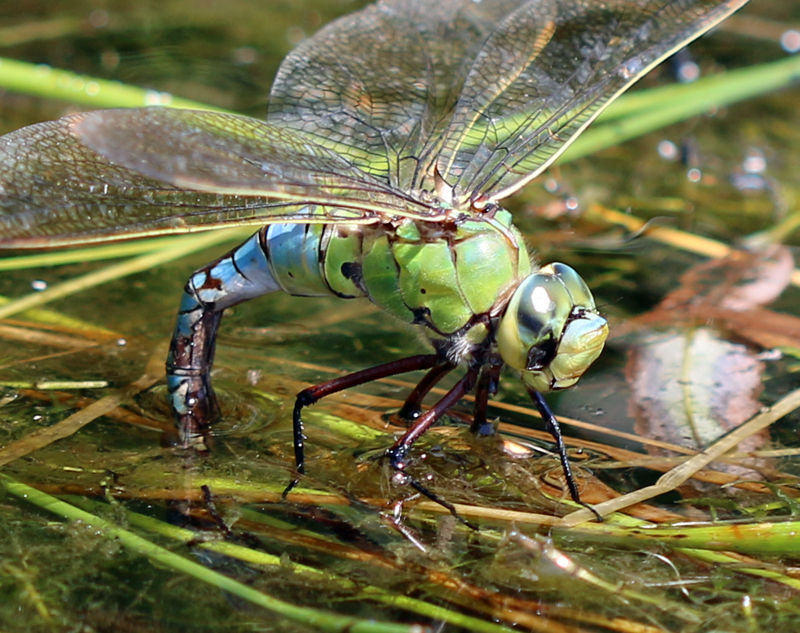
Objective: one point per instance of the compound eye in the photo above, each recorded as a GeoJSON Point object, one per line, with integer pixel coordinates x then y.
{"type": "Point", "coordinates": [534, 321]}
{"type": "Point", "coordinates": [551, 331]}
{"type": "Point", "coordinates": [541, 317]}
{"type": "Point", "coordinates": [544, 302]}
{"type": "Point", "coordinates": [574, 283]}
{"type": "Point", "coordinates": [541, 355]}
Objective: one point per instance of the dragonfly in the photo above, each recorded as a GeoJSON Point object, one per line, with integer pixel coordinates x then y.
{"type": "Point", "coordinates": [392, 136]}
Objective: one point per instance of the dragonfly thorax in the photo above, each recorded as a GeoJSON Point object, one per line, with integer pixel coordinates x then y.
{"type": "Point", "coordinates": [443, 276]}
{"type": "Point", "coordinates": [472, 286]}
{"type": "Point", "coordinates": [551, 331]}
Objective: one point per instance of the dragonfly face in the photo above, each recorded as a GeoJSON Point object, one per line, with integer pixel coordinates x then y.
{"type": "Point", "coordinates": [551, 331]}
{"type": "Point", "coordinates": [471, 100]}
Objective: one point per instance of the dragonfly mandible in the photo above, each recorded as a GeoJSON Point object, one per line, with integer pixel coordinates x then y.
{"type": "Point", "coordinates": [391, 138]}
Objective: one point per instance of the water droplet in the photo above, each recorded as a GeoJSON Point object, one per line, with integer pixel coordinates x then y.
{"type": "Point", "coordinates": [754, 162]}
{"type": "Point", "coordinates": [688, 72]}
{"type": "Point", "coordinates": [668, 150]}
{"type": "Point", "coordinates": [790, 41]}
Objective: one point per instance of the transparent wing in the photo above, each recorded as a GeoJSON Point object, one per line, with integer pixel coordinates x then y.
{"type": "Point", "coordinates": [546, 71]}
{"type": "Point", "coordinates": [125, 173]}
{"type": "Point", "coordinates": [402, 96]}
{"type": "Point", "coordinates": [485, 94]}
{"type": "Point", "coordinates": [379, 86]}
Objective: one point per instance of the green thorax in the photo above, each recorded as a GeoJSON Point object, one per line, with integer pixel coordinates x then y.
{"type": "Point", "coordinates": [435, 274]}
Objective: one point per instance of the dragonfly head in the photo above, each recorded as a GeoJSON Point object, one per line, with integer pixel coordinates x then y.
{"type": "Point", "coordinates": [551, 331]}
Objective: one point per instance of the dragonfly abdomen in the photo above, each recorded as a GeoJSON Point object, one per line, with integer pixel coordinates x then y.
{"type": "Point", "coordinates": [278, 257]}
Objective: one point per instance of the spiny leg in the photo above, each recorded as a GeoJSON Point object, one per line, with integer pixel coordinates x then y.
{"type": "Point", "coordinates": [487, 387]}
{"type": "Point", "coordinates": [399, 450]}
{"type": "Point", "coordinates": [241, 274]}
{"type": "Point", "coordinates": [312, 395]}
{"type": "Point", "coordinates": [552, 426]}
{"type": "Point", "coordinates": [412, 407]}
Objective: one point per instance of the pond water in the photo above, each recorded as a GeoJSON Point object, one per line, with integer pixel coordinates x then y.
{"type": "Point", "coordinates": [698, 346]}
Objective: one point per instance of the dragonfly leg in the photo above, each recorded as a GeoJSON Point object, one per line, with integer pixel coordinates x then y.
{"type": "Point", "coordinates": [398, 452]}
{"type": "Point", "coordinates": [312, 395]}
{"type": "Point", "coordinates": [240, 275]}
{"type": "Point", "coordinates": [412, 407]}
{"type": "Point", "coordinates": [551, 423]}
{"type": "Point", "coordinates": [487, 387]}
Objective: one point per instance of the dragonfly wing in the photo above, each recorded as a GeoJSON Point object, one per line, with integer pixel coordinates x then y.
{"type": "Point", "coordinates": [545, 72]}
{"type": "Point", "coordinates": [227, 153]}
{"type": "Point", "coordinates": [379, 85]}
{"type": "Point", "coordinates": [125, 173]}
